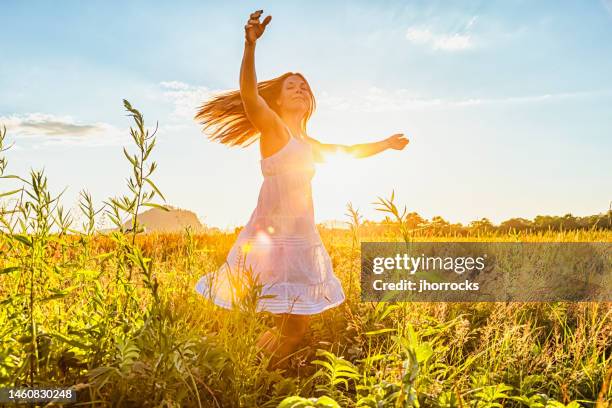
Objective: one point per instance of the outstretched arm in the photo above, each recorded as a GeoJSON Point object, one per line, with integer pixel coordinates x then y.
{"type": "Point", "coordinates": [256, 108]}
{"type": "Point", "coordinates": [397, 142]}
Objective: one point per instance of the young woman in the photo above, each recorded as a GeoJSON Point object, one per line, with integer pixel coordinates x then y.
{"type": "Point", "coordinates": [279, 248]}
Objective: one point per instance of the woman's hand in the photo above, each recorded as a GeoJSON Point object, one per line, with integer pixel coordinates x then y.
{"type": "Point", "coordinates": [254, 29]}
{"type": "Point", "coordinates": [397, 142]}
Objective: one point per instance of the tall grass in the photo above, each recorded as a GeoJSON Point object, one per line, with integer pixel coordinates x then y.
{"type": "Point", "coordinates": [114, 315]}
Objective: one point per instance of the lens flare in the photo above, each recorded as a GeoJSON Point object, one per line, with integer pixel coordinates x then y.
{"type": "Point", "coordinates": [335, 155]}
{"type": "Point", "coordinates": [246, 248]}
{"type": "Point", "coordinates": [338, 164]}
{"type": "Point", "coordinates": [262, 239]}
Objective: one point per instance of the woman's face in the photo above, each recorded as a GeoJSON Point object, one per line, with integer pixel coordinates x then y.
{"type": "Point", "coordinates": [295, 95]}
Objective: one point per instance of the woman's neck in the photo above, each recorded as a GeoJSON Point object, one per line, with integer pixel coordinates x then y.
{"type": "Point", "coordinates": [294, 123]}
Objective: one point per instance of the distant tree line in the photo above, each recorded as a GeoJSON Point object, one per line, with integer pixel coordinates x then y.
{"type": "Point", "coordinates": [540, 223]}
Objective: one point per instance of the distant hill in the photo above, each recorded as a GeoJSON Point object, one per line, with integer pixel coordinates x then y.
{"type": "Point", "coordinates": [175, 220]}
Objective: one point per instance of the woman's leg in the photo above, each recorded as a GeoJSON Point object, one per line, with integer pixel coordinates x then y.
{"type": "Point", "coordinates": [283, 339]}
{"type": "Point", "coordinates": [267, 341]}
{"type": "Point", "coordinates": [292, 329]}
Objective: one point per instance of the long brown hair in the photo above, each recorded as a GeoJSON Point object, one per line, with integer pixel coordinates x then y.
{"type": "Point", "coordinates": [225, 121]}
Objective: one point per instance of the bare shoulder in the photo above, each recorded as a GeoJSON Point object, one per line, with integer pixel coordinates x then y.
{"type": "Point", "coordinates": [312, 141]}
{"type": "Point", "coordinates": [316, 148]}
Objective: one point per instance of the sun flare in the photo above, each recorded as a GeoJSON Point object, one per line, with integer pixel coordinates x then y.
{"type": "Point", "coordinates": [335, 155]}
{"type": "Point", "coordinates": [262, 239]}
{"type": "Point", "coordinates": [337, 162]}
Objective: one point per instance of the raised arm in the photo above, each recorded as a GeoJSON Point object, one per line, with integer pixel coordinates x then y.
{"type": "Point", "coordinates": [397, 142]}
{"type": "Point", "coordinates": [256, 108]}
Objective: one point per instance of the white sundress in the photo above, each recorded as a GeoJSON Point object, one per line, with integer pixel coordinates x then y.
{"type": "Point", "coordinates": [280, 245]}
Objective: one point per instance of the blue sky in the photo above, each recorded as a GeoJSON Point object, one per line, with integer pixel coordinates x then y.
{"type": "Point", "coordinates": [507, 104]}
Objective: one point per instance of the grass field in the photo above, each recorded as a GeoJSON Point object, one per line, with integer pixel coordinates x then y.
{"type": "Point", "coordinates": [77, 318]}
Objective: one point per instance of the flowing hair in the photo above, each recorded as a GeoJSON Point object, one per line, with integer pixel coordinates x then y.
{"type": "Point", "coordinates": [225, 121]}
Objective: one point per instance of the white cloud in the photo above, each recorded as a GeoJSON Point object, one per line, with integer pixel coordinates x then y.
{"type": "Point", "coordinates": [444, 42]}
{"type": "Point", "coordinates": [45, 129]}
{"type": "Point", "coordinates": [455, 42]}
{"type": "Point", "coordinates": [419, 35]}
{"type": "Point", "coordinates": [177, 85]}
{"type": "Point", "coordinates": [186, 98]}
{"type": "Point", "coordinates": [459, 40]}
{"type": "Point", "coordinates": [41, 124]}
